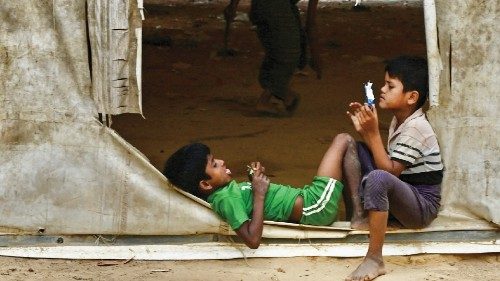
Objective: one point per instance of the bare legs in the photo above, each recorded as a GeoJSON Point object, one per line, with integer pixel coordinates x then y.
{"type": "Point", "coordinates": [352, 178]}
{"type": "Point", "coordinates": [341, 162]}
{"type": "Point", "coordinates": [373, 264]}
{"type": "Point", "coordinates": [376, 221]}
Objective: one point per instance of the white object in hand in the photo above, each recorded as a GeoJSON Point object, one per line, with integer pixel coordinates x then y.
{"type": "Point", "coordinates": [357, 2]}
{"type": "Point", "coordinates": [370, 98]}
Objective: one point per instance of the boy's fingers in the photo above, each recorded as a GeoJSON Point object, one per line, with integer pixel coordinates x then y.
{"type": "Point", "coordinates": [354, 105]}
{"type": "Point", "coordinates": [369, 113]}
{"type": "Point", "coordinates": [366, 110]}
{"type": "Point", "coordinates": [369, 109]}
{"type": "Point", "coordinates": [360, 113]}
{"type": "Point", "coordinates": [361, 117]}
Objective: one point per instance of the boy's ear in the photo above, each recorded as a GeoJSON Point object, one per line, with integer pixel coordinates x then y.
{"type": "Point", "coordinates": [205, 187]}
{"type": "Point", "coordinates": [413, 97]}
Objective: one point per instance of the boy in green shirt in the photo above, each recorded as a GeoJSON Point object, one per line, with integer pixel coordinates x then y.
{"type": "Point", "coordinates": [245, 206]}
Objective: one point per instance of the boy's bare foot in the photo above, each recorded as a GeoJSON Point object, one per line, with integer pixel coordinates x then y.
{"type": "Point", "coordinates": [369, 269]}
{"type": "Point", "coordinates": [360, 223]}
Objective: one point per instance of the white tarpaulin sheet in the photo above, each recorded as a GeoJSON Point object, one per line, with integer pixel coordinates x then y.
{"type": "Point", "coordinates": [115, 34]}
{"type": "Point", "coordinates": [65, 173]}
{"type": "Point", "coordinates": [466, 120]}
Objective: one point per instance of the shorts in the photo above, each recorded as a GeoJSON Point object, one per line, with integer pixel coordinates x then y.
{"type": "Point", "coordinates": [321, 200]}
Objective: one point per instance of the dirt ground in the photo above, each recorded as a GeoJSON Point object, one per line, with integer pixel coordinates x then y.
{"type": "Point", "coordinates": [418, 268]}
{"type": "Point", "coordinates": [192, 94]}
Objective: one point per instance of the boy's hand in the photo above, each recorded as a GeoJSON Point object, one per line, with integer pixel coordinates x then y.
{"type": "Point", "coordinates": [257, 166]}
{"type": "Point", "coordinates": [354, 108]}
{"type": "Point", "coordinates": [364, 118]}
{"type": "Point", "coordinates": [260, 182]}
{"type": "Point", "coordinates": [252, 168]}
{"type": "Point", "coordinates": [251, 230]}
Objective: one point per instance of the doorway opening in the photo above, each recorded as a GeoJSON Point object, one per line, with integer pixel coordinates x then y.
{"type": "Point", "coordinates": [190, 93]}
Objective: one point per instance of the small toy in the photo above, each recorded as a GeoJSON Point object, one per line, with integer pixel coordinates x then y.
{"type": "Point", "coordinates": [370, 98]}
{"type": "Point", "coordinates": [250, 172]}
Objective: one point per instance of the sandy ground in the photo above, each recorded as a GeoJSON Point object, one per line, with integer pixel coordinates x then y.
{"type": "Point", "coordinates": [191, 94]}
{"type": "Point", "coordinates": [422, 267]}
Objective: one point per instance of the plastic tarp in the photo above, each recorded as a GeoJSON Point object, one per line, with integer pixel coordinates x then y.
{"type": "Point", "coordinates": [115, 41]}
{"type": "Point", "coordinates": [466, 120]}
{"type": "Point", "coordinates": [63, 172]}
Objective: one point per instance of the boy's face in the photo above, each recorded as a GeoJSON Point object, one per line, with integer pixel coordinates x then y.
{"type": "Point", "coordinates": [219, 174]}
{"type": "Point", "coordinates": [392, 95]}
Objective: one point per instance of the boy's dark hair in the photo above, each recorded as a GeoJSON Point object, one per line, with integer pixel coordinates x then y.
{"type": "Point", "coordinates": [412, 71]}
{"type": "Point", "coordinates": [186, 168]}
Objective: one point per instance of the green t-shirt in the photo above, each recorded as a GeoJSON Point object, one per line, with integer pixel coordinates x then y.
{"type": "Point", "coordinates": [234, 202]}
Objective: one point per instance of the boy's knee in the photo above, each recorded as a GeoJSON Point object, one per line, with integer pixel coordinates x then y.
{"type": "Point", "coordinates": [374, 191]}
{"type": "Point", "coordinates": [377, 181]}
{"type": "Point", "coordinates": [344, 138]}
{"type": "Point", "coordinates": [379, 177]}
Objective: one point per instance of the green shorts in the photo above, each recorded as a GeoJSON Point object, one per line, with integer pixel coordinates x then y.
{"type": "Point", "coordinates": [321, 200]}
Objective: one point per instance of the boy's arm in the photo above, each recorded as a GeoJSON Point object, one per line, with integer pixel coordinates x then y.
{"type": "Point", "coordinates": [251, 231]}
{"type": "Point", "coordinates": [365, 120]}
{"type": "Point", "coordinates": [312, 37]}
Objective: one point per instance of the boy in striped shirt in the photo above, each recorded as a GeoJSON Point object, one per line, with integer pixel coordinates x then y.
{"type": "Point", "coordinates": [403, 181]}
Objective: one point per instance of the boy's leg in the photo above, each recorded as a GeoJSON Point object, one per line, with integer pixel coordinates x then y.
{"type": "Point", "coordinates": [341, 162]}
{"type": "Point", "coordinates": [358, 162]}
{"type": "Point", "coordinates": [351, 168]}
{"type": "Point", "coordinates": [365, 158]}
{"type": "Point", "coordinates": [383, 191]}
{"type": "Point", "coordinates": [373, 264]}
{"type": "Point", "coordinates": [331, 164]}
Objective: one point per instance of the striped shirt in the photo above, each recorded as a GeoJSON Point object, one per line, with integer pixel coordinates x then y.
{"type": "Point", "coordinates": [415, 144]}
